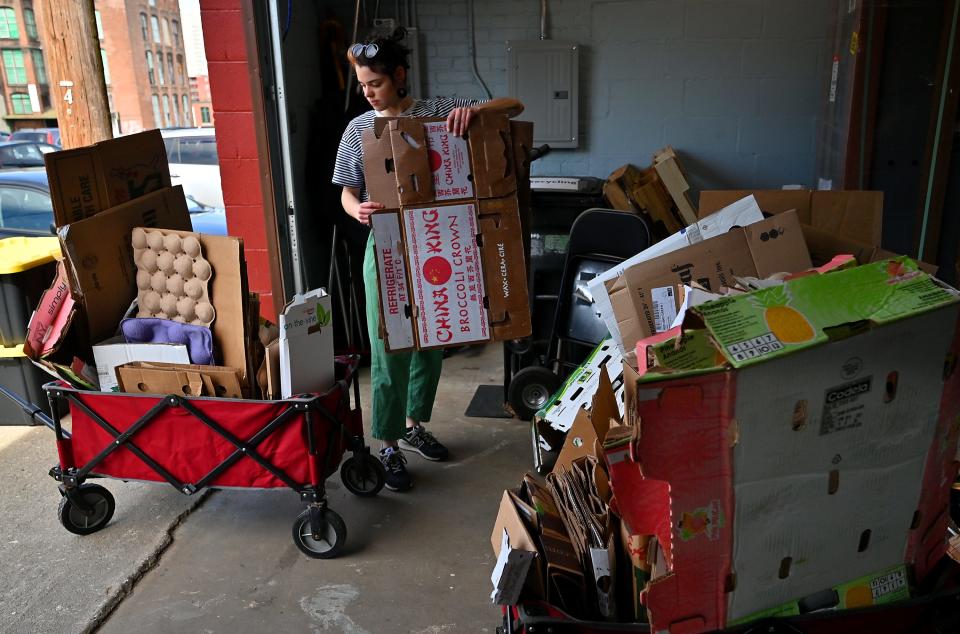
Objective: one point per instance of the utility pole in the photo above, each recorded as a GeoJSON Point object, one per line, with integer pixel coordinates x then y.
{"type": "Point", "coordinates": [77, 88]}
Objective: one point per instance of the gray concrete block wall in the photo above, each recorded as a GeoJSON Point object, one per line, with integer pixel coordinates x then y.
{"type": "Point", "coordinates": [737, 86]}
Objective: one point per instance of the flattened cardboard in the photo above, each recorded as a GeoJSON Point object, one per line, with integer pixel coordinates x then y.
{"type": "Point", "coordinates": [86, 181]}
{"type": "Point", "coordinates": [504, 269]}
{"type": "Point", "coordinates": [771, 246]}
{"type": "Point", "coordinates": [398, 169]}
{"type": "Point", "coordinates": [182, 379]}
{"type": "Point", "coordinates": [449, 162]}
{"type": "Point", "coordinates": [739, 213]}
{"type": "Point", "coordinates": [99, 255]}
{"type": "Point", "coordinates": [854, 214]}
{"type": "Point", "coordinates": [446, 278]}
{"type": "Point", "coordinates": [396, 326]}
{"type": "Point", "coordinates": [229, 294]}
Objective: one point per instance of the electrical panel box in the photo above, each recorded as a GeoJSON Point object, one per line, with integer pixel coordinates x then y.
{"type": "Point", "coordinates": [544, 75]}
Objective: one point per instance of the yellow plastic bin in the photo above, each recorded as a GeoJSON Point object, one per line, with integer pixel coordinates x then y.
{"type": "Point", "coordinates": [19, 375]}
{"type": "Point", "coordinates": [27, 267]}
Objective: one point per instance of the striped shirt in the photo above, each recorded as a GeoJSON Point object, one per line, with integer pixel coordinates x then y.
{"type": "Point", "coordinates": [348, 169]}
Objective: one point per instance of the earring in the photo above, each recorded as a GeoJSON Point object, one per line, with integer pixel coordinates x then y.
{"type": "Point", "coordinates": [402, 92]}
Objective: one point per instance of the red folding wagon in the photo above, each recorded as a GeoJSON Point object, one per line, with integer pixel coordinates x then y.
{"type": "Point", "coordinates": [196, 443]}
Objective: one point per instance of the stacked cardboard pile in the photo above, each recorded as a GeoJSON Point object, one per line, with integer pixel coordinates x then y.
{"type": "Point", "coordinates": [772, 306]}
{"type": "Point", "coordinates": [125, 235]}
{"type": "Point", "coordinates": [777, 447]}
{"type": "Point", "coordinates": [660, 193]}
{"type": "Point", "coordinates": [450, 243]}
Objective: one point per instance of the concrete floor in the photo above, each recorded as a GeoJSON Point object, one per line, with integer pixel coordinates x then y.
{"type": "Point", "coordinates": [415, 562]}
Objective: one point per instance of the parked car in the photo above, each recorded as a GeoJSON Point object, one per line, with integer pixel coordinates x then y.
{"type": "Point", "coordinates": [41, 135]}
{"type": "Point", "coordinates": [4, 135]}
{"type": "Point", "coordinates": [20, 154]}
{"type": "Point", "coordinates": [26, 208]}
{"type": "Point", "coordinates": [192, 155]}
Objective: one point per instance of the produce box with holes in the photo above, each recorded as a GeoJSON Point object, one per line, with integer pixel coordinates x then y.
{"type": "Point", "coordinates": [806, 435]}
{"type": "Point", "coordinates": [449, 246]}
{"type": "Point", "coordinates": [555, 418]}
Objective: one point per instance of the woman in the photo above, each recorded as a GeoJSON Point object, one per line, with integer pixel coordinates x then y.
{"type": "Point", "coordinates": [404, 384]}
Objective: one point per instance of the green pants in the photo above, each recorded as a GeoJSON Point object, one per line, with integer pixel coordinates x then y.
{"type": "Point", "coordinates": [403, 383]}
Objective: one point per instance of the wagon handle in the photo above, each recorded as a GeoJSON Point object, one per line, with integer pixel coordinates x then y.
{"type": "Point", "coordinates": [33, 411]}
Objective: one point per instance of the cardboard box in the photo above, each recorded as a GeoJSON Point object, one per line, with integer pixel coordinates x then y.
{"type": "Point", "coordinates": [738, 214]}
{"type": "Point", "coordinates": [824, 446]}
{"type": "Point", "coordinates": [88, 180]}
{"type": "Point", "coordinates": [408, 161]}
{"type": "Point", "coordinates": [857, 215]}
{"type": "Point", "coordinates": [464, 267]}
{"type": "Point", "coordinates": [99, 255]}
{"type": "Point", "coordinates": [306, 344]}
{"type": "Point", "coordinates": [454, 273]}
{"type": "Point", "coordinates": [144, 377]}
{"type": "Point", "coordinates": [577, 392]}
{"type": "Point", "coordinates": [115, 352]}
{"type": "Point", "coordinates": [644, 298]}
{"type": "Point", "coordinates": [667, 166]}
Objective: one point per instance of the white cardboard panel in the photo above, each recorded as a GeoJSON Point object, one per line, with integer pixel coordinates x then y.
{"type": "Point", "coordinates": [783, 507]}
{"type": "Point", "coordinates": [392, 270]}
{"type": "Point", "coordinates": [446, 275]}
{"type": "Point", "coordinates": [449, 162]}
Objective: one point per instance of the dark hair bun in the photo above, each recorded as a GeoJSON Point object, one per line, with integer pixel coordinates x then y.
{"type": "Point", "coordinates": [399, 34]}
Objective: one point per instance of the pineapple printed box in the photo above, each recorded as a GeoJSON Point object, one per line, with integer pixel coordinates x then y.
{"type": "Point", "coordinates": [807, 435]}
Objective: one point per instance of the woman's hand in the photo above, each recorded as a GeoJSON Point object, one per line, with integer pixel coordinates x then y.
{"type": "Point", "coordinates": [459, 120]}
{"type": "Point", "coordinates": [364, 210]}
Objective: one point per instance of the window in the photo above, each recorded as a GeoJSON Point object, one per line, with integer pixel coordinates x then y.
{"type": "Point", "coordinates": [143, 26]}
{"type": "Point", "coordinates": [30, 22]}
{"type": "Point", "coordinates": [183, 78]}
{"type": "Point", "coordinates": [26, 155]}
{"type": "Point", "coordinates": [166, 111]}
{"type": "Point", "coordinates": [106, 66]}
{"type": "Point", "coordinates": [8, 24]}
{"type": "Point", "coordinates": [166, 31]}
{"type": "Point", "coordinates": [155, 101]}
{"type": "Point", "coordinates": [153, 3]}
{"type": "Point", "coordinates": [198, 150]}
{"type": "Point", "coordinates": [150, 74]}
{"type": "Point", "coordinates": [25, 209]}
{"type": "Point", "coordinates": [160, 79]}
{"type": "Point", "coordinates": [205, 114]}
{"type": "Point", "coordinates": [175, 27]}
{"type": "Point", "coordinates": [21, 103]}
{"type": "Point", "coordinates": [155, 27]}
{"type": "Point", "coordinates": [99, 25]}
{"type": "Point", "coordinates": [187, 114]}
{"type": "Point", "coordinates": [39, 68]}
{"type": "Point", "coordinates": [176, 110]}
{"type": "Point", "coordinates": [170, 74]}
{"type": "Point", "coordinates": [13, 64]}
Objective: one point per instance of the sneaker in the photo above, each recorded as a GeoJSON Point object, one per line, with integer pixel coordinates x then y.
{"type": "Point", "coordinates": [424, 443]}
{"type": "Point", "coordinates": [394, 463]}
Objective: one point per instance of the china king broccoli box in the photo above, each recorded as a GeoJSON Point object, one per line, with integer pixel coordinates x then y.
{"type": "Point", "coordinates": [791, 439]}
{"type": "Point", "coordinates": [449, 246]}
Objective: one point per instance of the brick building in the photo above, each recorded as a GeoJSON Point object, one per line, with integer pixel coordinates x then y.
{"type": "Point", "coordinates": [201, 101]}
{"type": "Point", "coordinates": [25, 90]}
{"type": "Point", "coordinates": [144, 64]}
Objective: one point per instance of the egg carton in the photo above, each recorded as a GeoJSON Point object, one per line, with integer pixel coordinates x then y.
{"type": "Point", "coordinates": [173, 277]}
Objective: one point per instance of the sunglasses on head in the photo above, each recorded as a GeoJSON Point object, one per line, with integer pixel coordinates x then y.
{"type": "Point", "coordinates": [367, 50]}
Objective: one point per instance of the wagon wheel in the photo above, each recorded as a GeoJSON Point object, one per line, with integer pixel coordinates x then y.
{"type": "Point", "coordinates": [531, 389]}
{"type": "Point", "coordinates": [328, 542]}
{"type": "Point", "coordinates": [100, 505]}
{"type": "Point", "coordinates": [362, 474]}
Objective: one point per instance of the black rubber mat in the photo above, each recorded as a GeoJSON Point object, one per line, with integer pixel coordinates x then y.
{"type": "Point", "coordinates": [488, 402]}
